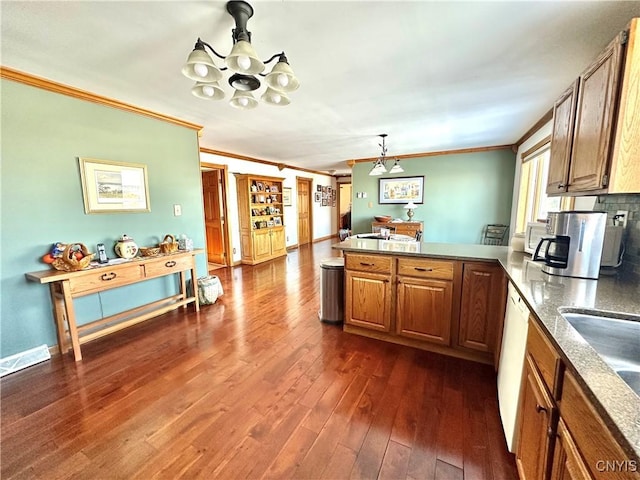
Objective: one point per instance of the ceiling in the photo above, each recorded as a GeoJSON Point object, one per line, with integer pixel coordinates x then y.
{"type": "Point", "coordinates": [432, 75]}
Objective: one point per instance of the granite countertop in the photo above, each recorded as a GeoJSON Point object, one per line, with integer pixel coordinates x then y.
{"type": "Point", "coordinates": [544, 294]}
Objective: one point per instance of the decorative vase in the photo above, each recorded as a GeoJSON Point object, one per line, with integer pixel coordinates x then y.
{"type": "Point", "coordinates": [126, 247]}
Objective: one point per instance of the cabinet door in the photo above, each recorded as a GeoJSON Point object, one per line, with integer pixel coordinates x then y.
{"type": "Point", "coordinates": [483, 301]}
{"type": "Point", "coordinates": [593, 132]}
{"type": "Point", "coordinates": [567, 463]}
{"type": "Point", "coordinates": [537, 415]}
{"type": "Point", "coordinates": [261, 244]}
{"type": "Point", "coordinates": [424, 309]}
{"type": "Point", "coordinates": [278, 244]}
{"type": "Point", "coordinates": [368, 300]}
{"type": "Point", "coordinates": [561, 140]}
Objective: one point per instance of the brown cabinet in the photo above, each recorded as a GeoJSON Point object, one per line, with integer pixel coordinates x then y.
{"type": "Point", "coordinates": [425, 300]}
{"type": "Point", "coordinates": [416, 301]}
{"type": "Point", "coordinates": [595, 134]}
{"type": "Point", "coordinates": [567, 463]}
{"type": "Point", "coordinates": [368, 293]}
{"type": "Point", "coordinates": [602, 455]}
{"type": "Point", "coordinates": [537, 414]}
{"type": "Point", "coordinates": [482, 306]}
{"type": "Point", "coordinates": [400, 228]}
{"type": "Point", "coordinates": [261, 214]}
{"type": "Point", "coordinates": [561, 434]}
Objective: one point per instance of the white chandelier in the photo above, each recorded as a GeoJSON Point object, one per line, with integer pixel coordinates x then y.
{"type": "Point", "coordinates": [380, 165]}
{"type": "Point", "coordinates": [245, 64]}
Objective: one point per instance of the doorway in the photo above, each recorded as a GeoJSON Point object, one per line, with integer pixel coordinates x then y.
{"type": "Point", "coordinates": [214, 181]}
{"type": "Point", "coordinates": [344, 205]}
{"type": "Point", "coordinates": [305, 210]}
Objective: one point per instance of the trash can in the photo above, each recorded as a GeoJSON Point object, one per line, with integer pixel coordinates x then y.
{"type": "Point", "coordinates": [332, 290]}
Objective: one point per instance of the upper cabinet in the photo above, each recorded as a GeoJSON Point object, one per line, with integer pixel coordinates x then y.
{"type": "Point", "coordinates": [596, 126]}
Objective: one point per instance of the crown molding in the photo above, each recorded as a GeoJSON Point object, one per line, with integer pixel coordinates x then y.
{"type": "Point", "coordinates": [433, 154]}
{"type": "Point", "coordinates": [43, 83]}
{"type": "Point", "coordinates": [281, 166]}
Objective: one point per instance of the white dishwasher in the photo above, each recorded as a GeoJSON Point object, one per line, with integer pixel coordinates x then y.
{"type": "Point", "coordinates": [514, 340]}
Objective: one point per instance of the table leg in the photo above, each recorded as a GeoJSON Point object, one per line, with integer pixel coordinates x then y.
{"type": "Point", "coordinates": [58, 317]}
{"type": "Point", "coordinates": [71, 320]}
{"type": "Point", "coordinates": [194, 281]}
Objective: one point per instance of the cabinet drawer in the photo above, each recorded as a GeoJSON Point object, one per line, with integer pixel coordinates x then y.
{"type": "Point", "coordinates": [368, 263]}
{"type": "Point", "coordinates": [167, 265]}
{"type": "Point", "coordinates": [408, 230]}
{"type": "Point", "coordinates": [544, 356]}
{"type": "Point", "coordinates": [105, 277]}
{"type": "Point", "coordinates": [415, 267]}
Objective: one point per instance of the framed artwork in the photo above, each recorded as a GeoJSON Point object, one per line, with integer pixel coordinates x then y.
{"type": "Point", "coordinates": [401, 190]}
{"type": "Point", "coordinates": [113, 187]}
{"type": "Point", "coordinates": [324, 202]}
{"type": "Point", "coordinates": [317, 196]}
{"type": "Point", "coordinates": [318, 188]}
{"type": "Point", "coordinates": [277, 221]}
{"type": "Point", "coordinates": [286, 196]}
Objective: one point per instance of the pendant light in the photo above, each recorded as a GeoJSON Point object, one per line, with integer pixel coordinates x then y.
{"type": "Point", "coordinates": [379, 166]}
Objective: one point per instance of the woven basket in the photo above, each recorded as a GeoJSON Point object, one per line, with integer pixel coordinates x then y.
{"type": "Point", "coordinates": [67, 261]}
{"type": "Point", "coordinates": [149, 251]}
{"type": "Point", "coordinates": [169, 244]}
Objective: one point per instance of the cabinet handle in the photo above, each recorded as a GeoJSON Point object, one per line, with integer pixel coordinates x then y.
{"type": "Point", "coordinates": [367, 264]}
{"type": "Point", "coordinates": [420, 269]}
{"type": "Point", "coordinates": [170, 264]}
{"type": "Point", "coordinates": [561, 185]}
{"type": "Point", "coordinates": [540, 408]}
{"type": "Point", "coordinates": [108, 276]}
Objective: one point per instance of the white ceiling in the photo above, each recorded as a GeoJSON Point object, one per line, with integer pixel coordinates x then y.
{"type": "Point", "coordinates": [433, 75]}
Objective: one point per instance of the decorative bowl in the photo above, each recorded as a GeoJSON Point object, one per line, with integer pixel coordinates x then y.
{"type": "Point", "coordinates": [382, 218]}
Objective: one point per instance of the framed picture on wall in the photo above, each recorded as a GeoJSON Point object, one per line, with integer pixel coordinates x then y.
{"type": "Point", "coordinates": [113, 187]}
{"type": "Point", "coordinates": [317, 196]}
{"type": "Point", "coordinates": [401, 190]}
{"type": "Point", "coordinates": [286, 196]}
{"type": "Point", "coordinates": [324, 202]}
{"type": "Point", "coordinates": [318, 188]}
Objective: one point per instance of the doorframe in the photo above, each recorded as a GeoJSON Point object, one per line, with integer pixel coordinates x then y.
{"type": "Point", "coordinates": [339, 201]}
{"type": "Point", "coordinates": [224, 177]}
{"type": "Point", "coordinates": [308, 180]}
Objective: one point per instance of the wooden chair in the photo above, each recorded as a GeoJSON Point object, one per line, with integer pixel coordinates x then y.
{"type": "Point", "coordinates": [494, 234]}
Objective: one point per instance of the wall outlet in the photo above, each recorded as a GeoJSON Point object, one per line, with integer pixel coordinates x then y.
{"type": "Point", "coordinates": [177, 210]}
{"type": "Point", "coordinates": [621, 217]}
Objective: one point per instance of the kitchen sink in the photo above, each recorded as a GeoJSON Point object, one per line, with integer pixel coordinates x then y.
{"type": "Point", "coordinates": [616, 340]}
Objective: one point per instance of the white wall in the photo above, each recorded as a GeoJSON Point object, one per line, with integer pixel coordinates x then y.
{"type": "Point", "coordinates": [324, 218]}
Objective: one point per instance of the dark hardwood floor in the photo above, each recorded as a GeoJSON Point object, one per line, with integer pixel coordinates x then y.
{"type": "Point", "coordinates": [253, 386]}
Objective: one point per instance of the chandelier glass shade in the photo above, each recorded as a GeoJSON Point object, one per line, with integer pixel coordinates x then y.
{"type": "Point", "coordinates": [244, 65]}
{"type": "Point", "coordinates": [380, 164]}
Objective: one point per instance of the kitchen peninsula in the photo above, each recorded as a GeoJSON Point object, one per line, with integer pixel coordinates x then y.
{"type": "Point", "coordinates": [391, 283]}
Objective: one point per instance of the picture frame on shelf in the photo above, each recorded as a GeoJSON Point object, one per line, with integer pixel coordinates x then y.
{"type": "Point", "coordinates": [270, 223]}
{"type": "Point", "coordinates": [274, 188]}
{"type": "Point", "coordinates": [260, 186]}
{"type": "Point", "coordinates": [113, 187]}
{"type": "Point", "coordinates": [401, 190]}
{"type": "Point", "coordinates": [277, 221]}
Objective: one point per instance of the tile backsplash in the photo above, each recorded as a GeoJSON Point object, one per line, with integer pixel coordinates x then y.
{"type": "Point", "coordinates": [630, 202]}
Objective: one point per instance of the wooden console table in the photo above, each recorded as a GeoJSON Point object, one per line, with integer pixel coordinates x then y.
{"type": "Point", "coordinates": [65, 286]}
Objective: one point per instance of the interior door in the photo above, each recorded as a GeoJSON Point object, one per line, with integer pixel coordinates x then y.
{"type": "Point", "coordinates": [213, 218]}
{"type": "Point", "coordinates": [304, 211]}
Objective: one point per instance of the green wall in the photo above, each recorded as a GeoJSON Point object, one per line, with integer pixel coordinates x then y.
{"type": "Point", "coordinates": [462, 193]}
{"type": "Point", "coordinates": [41, 201]}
